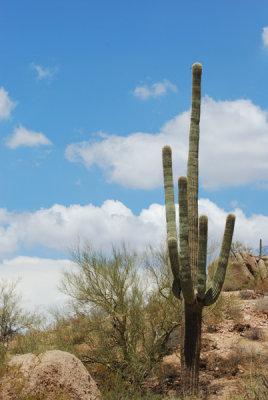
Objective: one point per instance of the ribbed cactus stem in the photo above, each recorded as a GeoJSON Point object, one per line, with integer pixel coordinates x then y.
{"type": "Point", "coordinates": [192, 168]}
{"type": "Point", "coordinates": [219, 276]}
{"type": "Point", "coordinates": [202, 256]}
{"type": "Point", "coordinates": [169, 192]}
{"type": "Point", "coordinates": [185, 272]}
{"type": "Point", "coordinates": [172, 240]}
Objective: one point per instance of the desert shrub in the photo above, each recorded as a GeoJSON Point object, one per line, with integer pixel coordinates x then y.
{"type": "Point", "coordinates": [121, 391]}
{"type": "Point", "coordinates": [214, 314]}
{"type": "Point", "coordinates": [262, 287]}
{"type": "Point", "coordinates": [13, 318]}
{"type": "Point", "coordinates": [67, 332]}
{"type": "Point", "coordinates": [3, 357]}
{"type": "Point", "coordinates": [262, 304]}
{"type": "Point", "coordinates": [232, 307]}
{"type": "Point", "coordinates": [126, 322]}
{"type": "Point", "coordinates": [227, 306]}
{"type": "Point", "coordinates": [247, 294]}
{"type": "Point", "coordinates": [254, 334]}
{"type": "Point", "coordinates": [33, 341]}
{"type": "Point", "coordinates": [253, 388]}
{"type": "Point", "coordinates": [253, 362]}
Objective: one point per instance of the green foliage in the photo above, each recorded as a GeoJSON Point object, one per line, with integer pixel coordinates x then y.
{"type": "Point", "coordinates": [3, 359]}
{"type": "Point", "coordinates": [13, 318]}
{"type": "Point", "coordinates": [126, 322]}
{"type": "Point", "coordinates": [33, 341]}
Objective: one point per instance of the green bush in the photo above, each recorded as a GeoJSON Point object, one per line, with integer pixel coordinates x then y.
{"type": "Point", "coordinates": [123, 322]}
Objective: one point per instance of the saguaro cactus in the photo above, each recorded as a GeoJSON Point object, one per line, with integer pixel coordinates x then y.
{"type": "Point", "coordinates": [188, 264]}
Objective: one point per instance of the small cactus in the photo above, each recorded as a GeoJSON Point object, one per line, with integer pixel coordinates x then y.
{"type": "Point", "coordinates": [188, 264]}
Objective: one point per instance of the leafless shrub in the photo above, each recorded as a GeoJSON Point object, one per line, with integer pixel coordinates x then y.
{"type": "Point", "coordinates": [247, 294]}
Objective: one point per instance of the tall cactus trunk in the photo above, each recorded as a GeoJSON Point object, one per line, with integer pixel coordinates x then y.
{"type": "Point", "coordinates": [190, 347]}
{"type": "Point", "coordinates": [192, 170]}
{"type": "Point", "coordinates": [192, 314]}
{"type": "Point", "coordinates": [188, 264]}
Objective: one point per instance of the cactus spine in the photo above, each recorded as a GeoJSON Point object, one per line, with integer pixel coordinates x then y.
{"type": "Point", "coordinates": [188, 264]}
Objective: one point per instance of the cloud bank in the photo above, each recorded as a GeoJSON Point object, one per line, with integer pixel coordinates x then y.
{"type": "Point", "coordinates": [28, 138]}
{"type": "Point", "coordinates": [233, 139]}
{"type": "Point", "coordinates": [61, 227]}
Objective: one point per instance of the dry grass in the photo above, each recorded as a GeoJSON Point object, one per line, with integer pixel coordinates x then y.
{"type": "Point", "coordinates": [227, 306]}
{"type": "Point", "coordinates": [262, 304]}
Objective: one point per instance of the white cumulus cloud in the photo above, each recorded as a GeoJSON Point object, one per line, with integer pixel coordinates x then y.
{"type": "Point", "coordinates": [25, 137]}
{"type": "Point", "coordinates": [155, 90]}
{"type": "Point", "coordinates": [6, 105]}
{"type": "Point", "coordinates": [233, 138]}
{"type": "Point", "coordinates": [265, 36]}
{"type": "Point", "coordinates": [59, 227]}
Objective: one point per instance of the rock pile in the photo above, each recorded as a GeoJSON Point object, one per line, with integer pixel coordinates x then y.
{"type": "Point", "coordinates": [245, 270]}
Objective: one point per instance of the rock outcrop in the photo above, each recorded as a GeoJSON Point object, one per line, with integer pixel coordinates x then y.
{"type": "Point", "coordinates": [245, 270]}
{"type": "Point", "coordinates": [51, 375]}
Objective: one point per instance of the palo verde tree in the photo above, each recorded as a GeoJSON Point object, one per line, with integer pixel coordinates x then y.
{"type": "Point", "coordinates": [129, 320]}
{"type": "Point", "coordinates": [188, 264]}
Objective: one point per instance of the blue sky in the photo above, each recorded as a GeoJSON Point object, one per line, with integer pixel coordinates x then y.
{"type": "Point", "coordinates": [89, 94]}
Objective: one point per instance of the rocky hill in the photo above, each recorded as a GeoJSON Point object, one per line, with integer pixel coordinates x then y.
{"type": "Point", "coordinates": [245, 270]}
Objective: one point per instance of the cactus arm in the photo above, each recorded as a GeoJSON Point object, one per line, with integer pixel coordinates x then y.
{"type": "Point", "coordinates": [171, 218]}
{"type": "Point", "coordinates": [218, 278]}
{"type": "Point", "coordinates": [169, 192]}
{"type": "Point", "coordinates": [202, 255]}
{"type": "Point", "coordinates": [185, 271]}
{"type": "Point", "coordinates": [192, 169]}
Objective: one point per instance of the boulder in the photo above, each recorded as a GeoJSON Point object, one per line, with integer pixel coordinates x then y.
{"type": "Point", "coordinates": [51, 375]}
{"type": "Point", "coordinates": [238, 277]}
{"type": "Point", "coordinates": [244, 270]}
{"type": "Point", "coordinates": [250, 261]}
